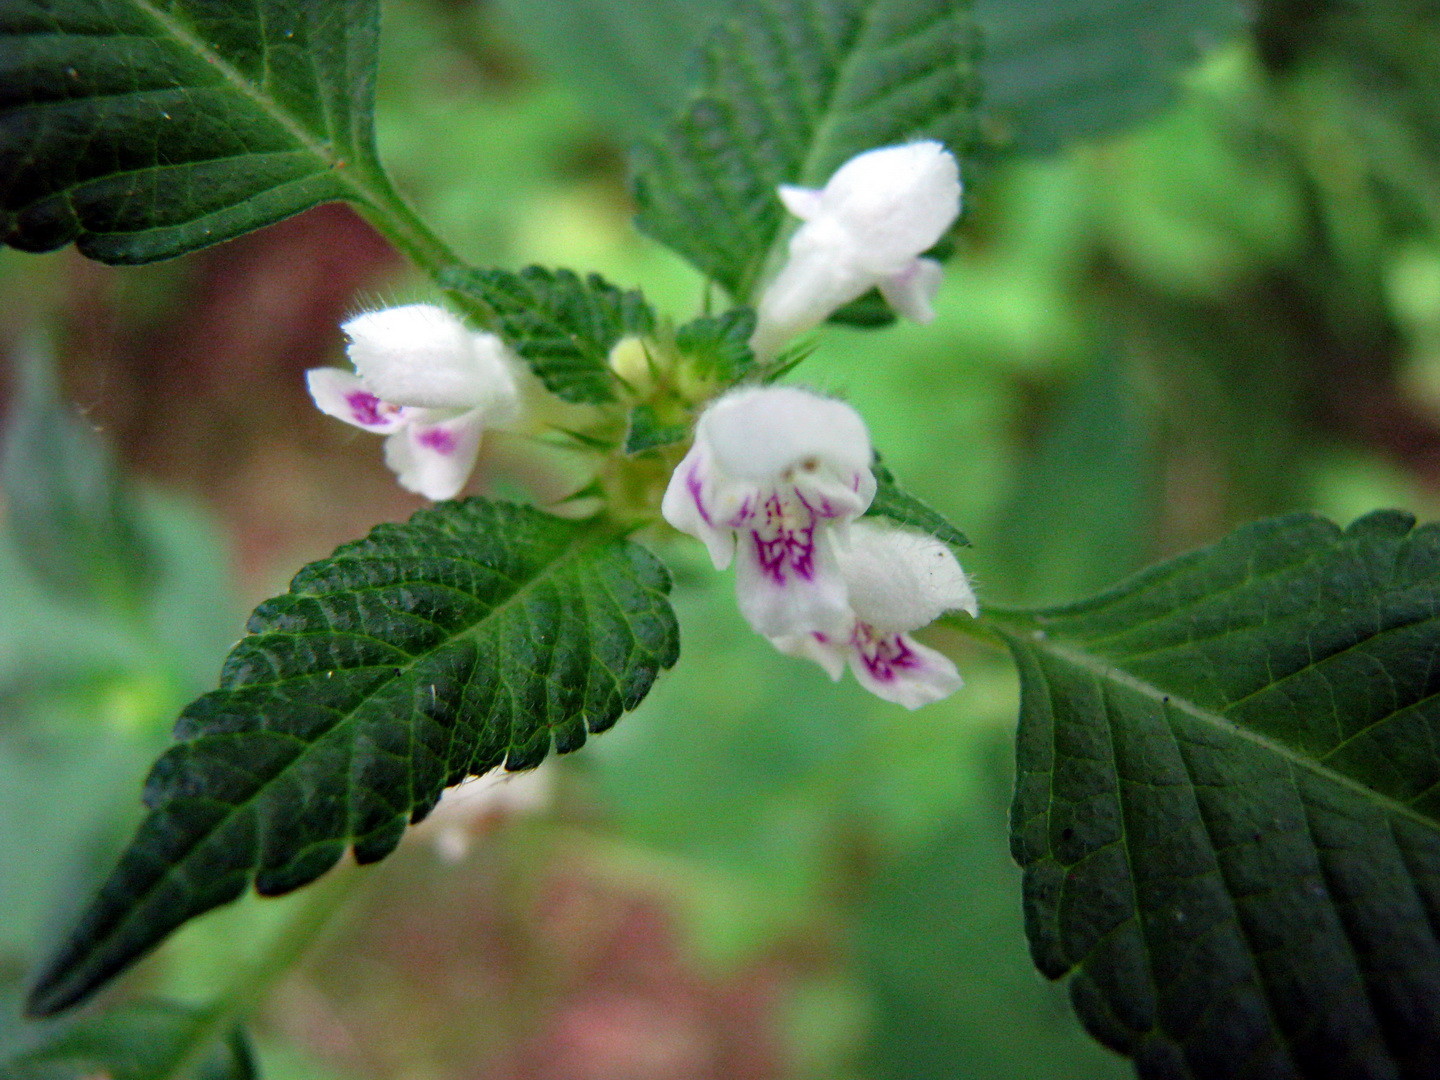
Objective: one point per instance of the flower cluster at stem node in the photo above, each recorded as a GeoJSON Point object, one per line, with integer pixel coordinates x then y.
{"type": "Point", "coordinates": [776, 479]}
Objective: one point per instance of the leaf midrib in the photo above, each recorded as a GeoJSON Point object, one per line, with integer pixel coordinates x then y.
{"type": "Point", "coordinates": [1025, 636]}
{"type": "Point", "coordinates": [323, 150]}
{"type": "Point", "coordinates": [574, 551]}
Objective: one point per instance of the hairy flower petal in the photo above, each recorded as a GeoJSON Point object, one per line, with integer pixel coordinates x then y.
{"type": "Point", "coordinates": [866, 228]}
{"type": "Point", "coordinates": [898, 668]}
{"type": "Point", "coordinates": [343, 395]}
{"type": "Point", "coordinates": [435, 459]}
{"type": "Point", "coordinates": [422, 355]}
{"type": "Point", "coordinates": [773, 473]}
{"type": "Point", "coordinates": [900, 580]}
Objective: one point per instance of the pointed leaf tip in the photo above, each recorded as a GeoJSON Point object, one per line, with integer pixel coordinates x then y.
{"type": "Point", "coordinates": [474, 636]}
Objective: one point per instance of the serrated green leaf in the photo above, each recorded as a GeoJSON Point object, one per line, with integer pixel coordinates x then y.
{"type": "Point", "coordinates": [718, 346]}
{"type": "Point", "coordinates": [646, 431]}
{"type": "Point", "coordinates": [73, 519]}
{"type": "Point", "coordinates": [1227, 802]}
{"type": "Point", "coordinates": [562, 325]}
{"type": "Point", "coordinates": [789, 90]}
{"type": "Point", "coordinates": [142, 130]}
{"type": "Point", "coordinates": [147, 1041]}
{"type": "Point", "coordinates": [477, 634]}
{"type": "Point", "coordinates": [1066, 70]}
{"type": "Point", "coordinates": [896, 505]}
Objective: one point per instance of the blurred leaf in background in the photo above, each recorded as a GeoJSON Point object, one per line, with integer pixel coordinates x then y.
{"type": "Point", "coordinates": [118, 607]}
{"type": "Point", "coordinates": [138, 1042]}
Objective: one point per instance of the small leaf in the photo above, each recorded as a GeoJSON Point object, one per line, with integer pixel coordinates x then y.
{"type": "Point", "coordinates": [1066, 70]}
{"type": "Point", "coordinates": [904, 509]}
{"type": "Point", "coordinates": [719, 345]}
{"type": "Point", "coordinates": [1227, 803]}
{"type": "Point", "coordinates": [477, 634]}
{"type": "Point", "coordinates": [138, 1042]}
{"type": "Point", "coordinates": [563, 326]}
{"type": "Point", "coordinates": [789, 90]}
{"type": "Point", "coordinates": [647, 432]}
{"type": "Point", "coordinates": [142, 130]}
{"type": "Point", "coordinates": [73, 519]}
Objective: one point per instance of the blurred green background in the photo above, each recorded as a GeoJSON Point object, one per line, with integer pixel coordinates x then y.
{"type": "Point", "coordinates": [1230, 311]}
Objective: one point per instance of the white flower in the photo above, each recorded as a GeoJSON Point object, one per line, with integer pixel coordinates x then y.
{"type": "Point", "coordinates": [897, 581]}
{"type": "Point", "coordinates": [774, 471]}
{"type": "Point", "coordinates": [426, 381]}
{"type": "Point", "coordinates": [476, 802]}
{"type": "Point", "coordinates": [865, 228]}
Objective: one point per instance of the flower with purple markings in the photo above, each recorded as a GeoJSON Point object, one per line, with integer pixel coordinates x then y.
{"type": "Point", "coordinates": [897, 581]}
{"type": "Point", "coordinates": [866, 228]}
{"type": "Point", "coordinates": [776, 473]}
{"type": "Point", "coordinates": [429, 384]}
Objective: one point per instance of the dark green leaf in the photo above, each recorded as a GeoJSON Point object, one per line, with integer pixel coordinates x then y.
{"type": "Point", "coordinates": [719, 345]}
{"type": "Point", "coordinates": [139, 1042]}
{"type": "Point", "coordinates": [647, 432]}
{"type": "Point", "coordinates": [935, 990]}
{"type": "Point", "coordinates": [904, 509]}
{"type": "Point", "coordinates": [143, 130]}
{"type": "Point", "coordinates": [475, 635]}
{"type": "Point", "coordinates": [1227, 803]}
{"type": "Point", "coordinates": [562, 325]}
{"type": "Point", "coordinates": [1066, 70]}
{"type": "Point", "coordinates": [789, 90]}
{"type": "Point", "coordinates": [73, 520]}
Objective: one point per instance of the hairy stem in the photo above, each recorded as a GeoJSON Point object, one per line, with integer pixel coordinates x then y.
{"type": "Point", "coordinates": [391, 216]}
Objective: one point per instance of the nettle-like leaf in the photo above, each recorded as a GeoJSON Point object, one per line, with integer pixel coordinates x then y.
{"type": "Point", "coordinates": [144, 130]}
{"type": "Point", "coordinates": [1067, 70]}
{"type": "Point", "coordinates": [788, 91]}
{"type": "Point", "coordinates": [895, 504]}
{"type": "Point", "coordinates": [1228, 804]}
{"type": "Point", "coordinates": [646, 431]}
{"type": "Point", "coordinates": [562, 325]}
{"type": "Point", "coordinates": [141, 1041]}
{"type": "Point", "coordinates": [718, 346]}
{"type": "Point", "coordinates": [476, 635]}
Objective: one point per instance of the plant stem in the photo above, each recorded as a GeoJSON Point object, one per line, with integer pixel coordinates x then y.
{"type": "Point", "coordinates": [390, 215]}
{"type": "Point", "coordinates": [307, 924]}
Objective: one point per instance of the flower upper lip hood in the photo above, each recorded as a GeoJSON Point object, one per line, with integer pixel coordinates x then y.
{"type": "Point", "coordinates": [429, 384]}
{"type": "Point", "coordinates": [420, 355]}
{"type": "Point", "coordinates": [866, 228]}
{"type": "Point", "coordinates": [900, 580]}
{"type": "Point", "coordinates": [757, 433]}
